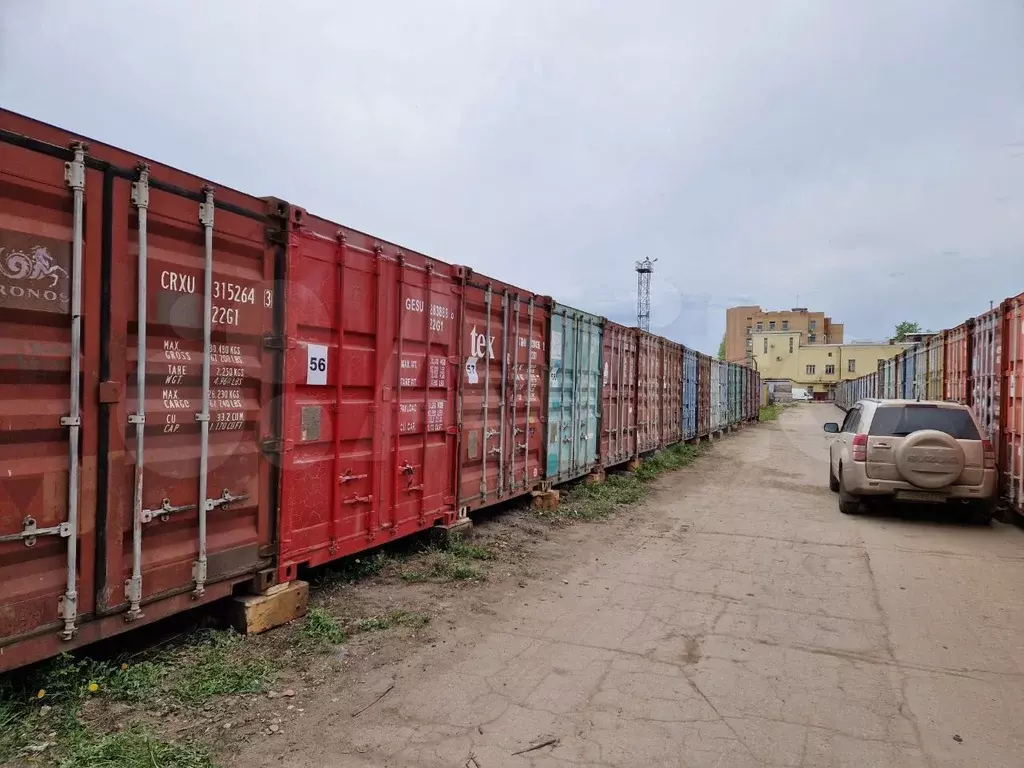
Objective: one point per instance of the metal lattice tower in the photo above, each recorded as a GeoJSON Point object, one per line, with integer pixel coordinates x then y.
{"type": "Point", "coordinates": [644, 270]}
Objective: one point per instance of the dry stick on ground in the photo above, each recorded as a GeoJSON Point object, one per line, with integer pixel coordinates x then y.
{"type": "Point", "coordinates": [535, 747]}
{"type": "Point", "coordinates": [389, 690]}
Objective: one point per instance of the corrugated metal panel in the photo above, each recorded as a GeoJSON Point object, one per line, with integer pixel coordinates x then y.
{"type": "Point", "coordinates": [369, 405]}
{"type": "Point", "coordinates": [649, 361]}
{"type": "Point", "coordinates": [671, 392]}
{"type": "Point", "coordinates": [1012, 451]}
{"type": "Point", "coordinates": [574, 392]}
{"type": "Point", "coordinates": [936, 367]}
{"type": "Point", "coordinates": [118, 533]}
{"type": "Point", "coordinates": [503, 391]}
{"type": "Point", "coordinates": [984, 386]}
{"type": "Point", "coordinates": [619, 395]}
{"type": "Point", "coordinates": [690, 398]}
{"type": "Point", "coordinates": [956, 364]}
{"type": "Point", "coordinates": [703, 395]}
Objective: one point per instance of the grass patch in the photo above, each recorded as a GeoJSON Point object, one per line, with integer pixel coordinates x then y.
{"type": "Point", "coordinates": [455, 560]}
{"type": "Point", "coordinates": [322, 628]}
{"type": "Point", "coordinates": [596, 501]}
{"type": "Point", "coordinates": [134, 682]}
{"type": "Point", "coordinates": [415, 577]}
{"type": "Point", "coordinates": [400, 618]}
{"type": "Point", "coordinates": [212, 669]}
{"type": "Point", "coordinates": [770, 412]}
{"type": "Point", "coordinates": [134, 747]}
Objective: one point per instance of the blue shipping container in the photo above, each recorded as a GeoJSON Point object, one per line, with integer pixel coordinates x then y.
{"type": "Point", "coordinates": [574, 392]}
{"type": "Point", "coordinates": [689, 393]}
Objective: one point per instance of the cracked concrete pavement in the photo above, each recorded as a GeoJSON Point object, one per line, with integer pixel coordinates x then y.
{"type": "Point", "coordinates": [742, 622]}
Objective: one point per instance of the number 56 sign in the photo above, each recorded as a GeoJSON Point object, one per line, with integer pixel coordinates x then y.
{"type": "Point", "coordinates": [316, 366]}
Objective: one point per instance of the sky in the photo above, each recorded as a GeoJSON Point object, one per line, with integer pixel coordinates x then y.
{"type": "Point", "coordinates": [865, 159]}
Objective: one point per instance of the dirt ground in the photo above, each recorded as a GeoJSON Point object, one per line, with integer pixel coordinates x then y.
{"type": "Point", "coordinates": [734, 619]}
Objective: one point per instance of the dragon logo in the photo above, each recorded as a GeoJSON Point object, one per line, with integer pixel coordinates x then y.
{"type": "Point", "coordinates": [36, 264]}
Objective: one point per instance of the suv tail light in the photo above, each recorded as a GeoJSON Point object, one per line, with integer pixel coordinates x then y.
{"type": "Point", "coordinates": [860, 447]}
{"type": "Point", "coordinates": [990, 454]}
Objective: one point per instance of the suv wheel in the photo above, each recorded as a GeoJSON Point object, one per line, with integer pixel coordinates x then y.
{"type": "Point", "coordinates": [848, 503]}
{"type": "Point", "coordinates": [833, 483]}
{"type": "Point", "coordinates": [979, 513]}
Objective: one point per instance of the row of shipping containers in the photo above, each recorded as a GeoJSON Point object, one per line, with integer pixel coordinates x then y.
{"type": "Point", "coordinates": [202, 391]}
{"type": "Point", "coordinates": [979, 363]}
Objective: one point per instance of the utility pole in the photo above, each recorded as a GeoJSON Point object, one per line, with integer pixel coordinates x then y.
{"type": "Point", "coordinates": [644, 270]}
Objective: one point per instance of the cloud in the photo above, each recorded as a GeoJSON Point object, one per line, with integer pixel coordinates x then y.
{"type": "Point", "coordinates": [857, 155]}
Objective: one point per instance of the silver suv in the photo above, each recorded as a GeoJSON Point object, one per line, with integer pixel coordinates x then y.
{"type": "Point", "coordinates": [909, 450]}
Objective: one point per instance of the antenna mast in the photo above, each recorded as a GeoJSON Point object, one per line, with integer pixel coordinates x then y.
{"type": "Point", "coordinates": [644, 270]}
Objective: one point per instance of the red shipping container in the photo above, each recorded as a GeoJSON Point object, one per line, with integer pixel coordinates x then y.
{"type": "Point", "coordinates": [618, 395]}
{"type": "Point", "coordinates": [503, 387]}
{"type": "Point", "coordinates": [649, 394]}
{"type": "Point", "coordinates": [703, 395]}
{"type": "Point", "coordinates": [369, 406]}
{"type": "Point", "coordinates": [119, 507]}
{"type": "Point", "coordinates": [671, 392]}
{"type": "Point", "coordinates": [957, 364]}
{"type": "Point", "coordinates": [1011, 453]}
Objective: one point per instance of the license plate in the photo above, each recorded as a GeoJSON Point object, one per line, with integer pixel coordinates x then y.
{"type": "Point", "coordinates": [920, 496]}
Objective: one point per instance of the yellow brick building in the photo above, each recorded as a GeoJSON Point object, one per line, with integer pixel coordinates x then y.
{"type": "Point", "coordinates": [816, 367]}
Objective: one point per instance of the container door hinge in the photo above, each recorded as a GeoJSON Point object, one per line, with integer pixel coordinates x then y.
{"type": "Point", "coordinates": [453, 430]}
{"type": "Point", "coordinates": [277, 236]}
{"type": "Point", "coordinates": [276, 445]}
{"type": "Point", "coordinates": [30, 532]}
{"type": "Point", "coordinates": [278, 343]}
{"type": "Point", "coordinates": [198, 576]}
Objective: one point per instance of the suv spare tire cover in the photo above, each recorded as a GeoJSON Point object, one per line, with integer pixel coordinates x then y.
{"type": "Point", "coordinates": [930, 459]}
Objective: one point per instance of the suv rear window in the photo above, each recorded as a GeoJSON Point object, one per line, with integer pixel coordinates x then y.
{"type": "Point", "coordinates": [901, 420]}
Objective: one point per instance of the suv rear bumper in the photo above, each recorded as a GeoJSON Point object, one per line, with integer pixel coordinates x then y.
{"type": "Point", "coordinates": [857, 482]}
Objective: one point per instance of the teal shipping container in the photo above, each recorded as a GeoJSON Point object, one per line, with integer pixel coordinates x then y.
{"type": "Point", "coordinates": [574, 393]}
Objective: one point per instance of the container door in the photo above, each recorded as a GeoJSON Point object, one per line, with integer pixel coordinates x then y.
{"type": "Point", "coordinates": [48, 425]}
{"type": "Point", "coordinates": [985, 372]}
{"type": "Point", "coordinates": [504, 400]}
{"type": "Point", "coordinates": [370, 398]}
{"type": "Point", "coordinates": [561, 349]}
{"type": "Point", "coordinates": [573, 389]}
{"type": "Point", "coordinates": [1012, 452]}
{"type": "Point", "coordinates": [192, 300]}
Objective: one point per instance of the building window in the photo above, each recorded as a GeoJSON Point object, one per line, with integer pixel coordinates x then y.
{"type": "Point", "coordinates": [812, 325]}
{"type": "Point", "coordinates": [748, 330]}
{"type": "Point", "coordinates": [791, 345]}
{"type": "Point", "coordinates": [851, 365]}
{"type": "Point", "coordinates": [810, 370]}
{"type": "Point", "coordinates": [766, 345]}
{"type": "Point", "coordinates": [785, 325]}
{"type": "Point", "coordinates": [810, 338]}
{"type": "Point", "coordinates": [830, 370]}
{"type": "Point", "coordinates": [750, 343]}
{"type": "Point", "coordinates": [830, 354]}
{"type": "Point", "coordinates": [760, 327]}
{"type": "Point", "coordinates": [771, 325]}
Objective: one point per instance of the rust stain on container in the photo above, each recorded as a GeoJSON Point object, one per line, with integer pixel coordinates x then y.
{"type": "Point", "coordinates": [618, 395]}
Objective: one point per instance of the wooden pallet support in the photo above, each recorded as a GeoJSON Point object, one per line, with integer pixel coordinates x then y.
{"type": "Point", "coordinates": [596, 477]}
{"type": "Point", "coordinates": [442, 534]}
{"type": "Point", "coordinates": [253, 614]}
{"type": "Point", "coordinates": [633, 465]}
{"type": "Point", "coordinates": [545, 499]}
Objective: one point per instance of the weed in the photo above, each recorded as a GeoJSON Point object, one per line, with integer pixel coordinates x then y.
{"type": "Point", "coordinates": [411, 619]}
{"type": "Point", "coordinates": [211, 670]}
{"type": "Point", "coordinates": [13, 723]}
{"type": "Point", "coordinates": [770, 412]}
{"type": "Point", "coordinates": [133, 747]}
{"type": "Point", "coordinates": [460, 548]}
{"type": "Point", "coordinates": [587, 501]}
{"type": "Point", "coordinates": [414, 577]}
{"type": "Point", "coordinates": [134, 682]}
{"type": "Point", "coordinates": [450, 567]}
{"type": "Point", "coordinates": [322, 628]}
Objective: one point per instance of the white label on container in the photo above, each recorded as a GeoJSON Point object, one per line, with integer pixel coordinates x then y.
{"type": "Point", "coordinates": [471, 374]}
{"type": "Point", "coordinates": [556, 345]}
{"type": "Point", "coordinates": [316, 367]}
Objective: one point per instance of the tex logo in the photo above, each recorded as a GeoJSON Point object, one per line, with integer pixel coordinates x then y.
{"type": "Point", "coordinates": [480, 345]}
